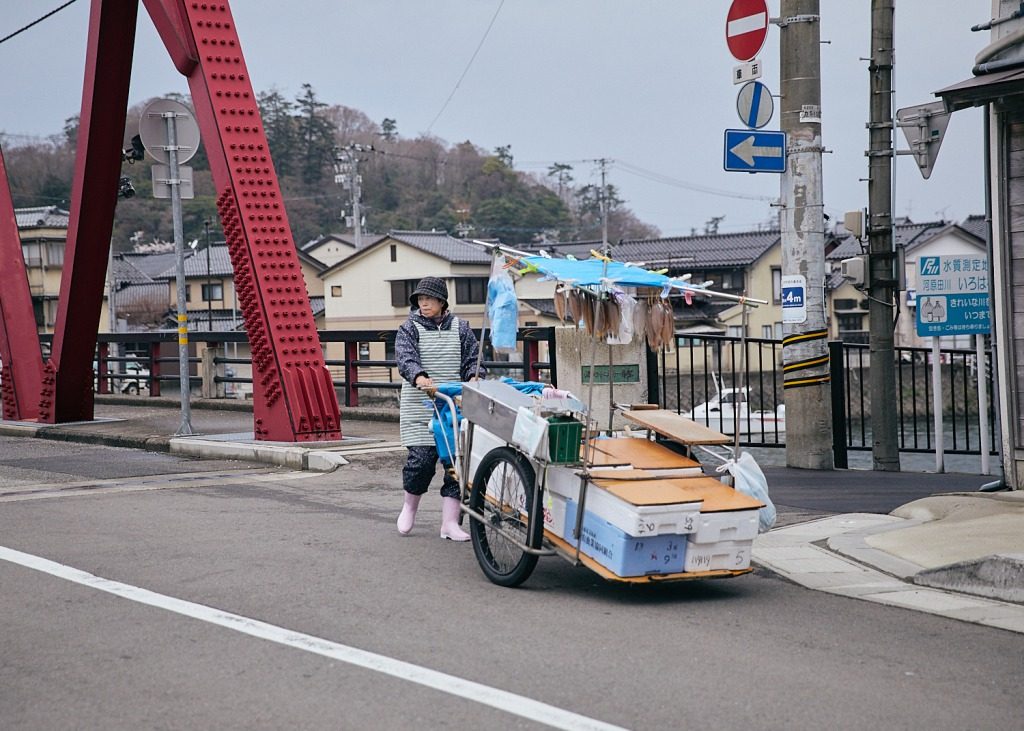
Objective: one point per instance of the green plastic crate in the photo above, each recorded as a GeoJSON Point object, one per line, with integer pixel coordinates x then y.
{"type": "Point", "coordinates": [564, 437]}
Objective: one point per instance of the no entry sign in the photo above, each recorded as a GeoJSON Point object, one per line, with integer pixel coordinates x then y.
{"type": "Point", "coordinates": [746, 27]}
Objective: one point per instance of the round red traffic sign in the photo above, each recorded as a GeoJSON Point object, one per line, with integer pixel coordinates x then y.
{"type": "Point", "coordinates": [746, 27]}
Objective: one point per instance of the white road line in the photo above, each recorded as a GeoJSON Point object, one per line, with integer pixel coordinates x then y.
{"type": "Point", "coordinates": [502, 700]}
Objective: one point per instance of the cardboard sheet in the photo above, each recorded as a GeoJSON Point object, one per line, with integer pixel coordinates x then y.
{"type": "Point", "coordinates": [640, 453]}
{"type": "Point", "coordinates": [716, 497]}
{"type": "Point", "coordinates": [677, 428]}
{"type": "Point", "coordinates": [608, 473]}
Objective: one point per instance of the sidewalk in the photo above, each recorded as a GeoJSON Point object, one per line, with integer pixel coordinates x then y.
{"type": "Point", "coordinates": [917, 540]}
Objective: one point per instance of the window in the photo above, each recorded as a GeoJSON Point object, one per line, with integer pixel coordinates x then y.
{"type": "Point", "coordinates": [401, 291]}
{"type": "Point", "coordinates": [55, 253]}
{"type": "Point", "coordinates": [844, 304]}
{"type": "Point", "coordinates": [213, 292]}
{"type": "Point", "coordinates": [33, 256]}
{"type": "Point", "coordinates": [394, 252]}
{"type": "Point", "coordinates": [766, 332]}
{"type": "Point", "coordinates": [471, 290]}
{"type": "Point", "coordinates": [848, 323]}
{"type": "Point", "coordinates": [335, 290]}
{"type": "Point", "coordinates": [776, 285]}
{"type": "Point", "coordinates": [735, 331]}
{"type": "Point", "coordinates": [778, 331]}
{"type": "Point", "coordinates": [188, 293]}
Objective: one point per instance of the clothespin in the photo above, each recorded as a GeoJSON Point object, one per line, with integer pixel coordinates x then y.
{"type": "Point", "coordinates": [599, 256]}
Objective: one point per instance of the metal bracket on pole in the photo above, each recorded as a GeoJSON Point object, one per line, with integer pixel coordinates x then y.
{"type": "Point", "coordinates": [783, 22]}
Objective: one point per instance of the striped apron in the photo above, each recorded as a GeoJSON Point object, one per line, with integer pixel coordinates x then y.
{"type": "Point", "coordinates": [441, 358]}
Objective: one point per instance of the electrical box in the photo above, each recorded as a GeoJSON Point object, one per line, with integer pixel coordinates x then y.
{"type": "Point", "coordinates": [856, 270]}
{"type": "Point", "coordinates": [853, 221]}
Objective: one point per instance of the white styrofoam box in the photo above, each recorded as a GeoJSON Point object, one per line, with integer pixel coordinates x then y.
{"type": "Point", "coordinates": [554, 513]}
{"type": "Point", "coordinates": [728, 525]}
{"type": "Point", "coordinates": [622, 554]}
{"type": "Point", "coordinates": [634, 520]}
{"type": "Point", "coordinates": [734, 555]}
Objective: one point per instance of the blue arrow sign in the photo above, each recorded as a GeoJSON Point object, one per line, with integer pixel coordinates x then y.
{"type": "Point", "coordinates": [751, 151]}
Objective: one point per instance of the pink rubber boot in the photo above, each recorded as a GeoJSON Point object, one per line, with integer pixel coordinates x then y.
{"type": "Point", "coordinates": [450, 520]}
{"type": "Point", "coordinates": [408, 515]}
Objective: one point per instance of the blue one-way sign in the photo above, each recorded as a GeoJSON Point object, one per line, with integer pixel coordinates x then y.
{"type": "Point", "coordinates": [751, 151]}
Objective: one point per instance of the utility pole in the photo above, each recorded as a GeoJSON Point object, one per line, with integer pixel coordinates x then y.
{"type": "Point", "coordinates": [805, 340]}
{"type": "Point", "coordinates": [209, 280]}
{"type": "Point", "coordinates": [882, 279]}
{"type": "Point", "coordinates": [346, 168]}
{"type": "Point", "coordinates": [603, 201]}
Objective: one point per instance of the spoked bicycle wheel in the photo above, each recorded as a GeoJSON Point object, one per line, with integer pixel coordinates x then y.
{"type": "Point", "coordinates": [503, 493]}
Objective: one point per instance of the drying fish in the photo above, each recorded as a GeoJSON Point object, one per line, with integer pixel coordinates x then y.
{"type": "Point", "coordinates": [560, 303]}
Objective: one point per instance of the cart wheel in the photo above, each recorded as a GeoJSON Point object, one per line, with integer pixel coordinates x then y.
{"type": "Point", "coordinates": [503, 493]}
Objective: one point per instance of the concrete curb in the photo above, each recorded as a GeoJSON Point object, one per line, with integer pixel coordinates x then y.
{"type": "Point", "coordinates": [292, 457]}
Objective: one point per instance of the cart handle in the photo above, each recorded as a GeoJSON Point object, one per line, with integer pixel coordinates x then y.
{"type": "Point", "coordinates": [433, 392]}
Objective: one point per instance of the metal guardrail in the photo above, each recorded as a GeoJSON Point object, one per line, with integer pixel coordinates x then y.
{"type": "Point", "coordinates": [682, 378]}
{"type": "Point", "coordinates": [161, 367]}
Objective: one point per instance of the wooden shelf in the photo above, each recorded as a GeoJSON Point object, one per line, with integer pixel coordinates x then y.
{"type": "Point", "coordinates": [676, 427]}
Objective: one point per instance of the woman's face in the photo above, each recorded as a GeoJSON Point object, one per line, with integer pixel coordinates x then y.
{"type": "Point", "coordinates": [430, 307]}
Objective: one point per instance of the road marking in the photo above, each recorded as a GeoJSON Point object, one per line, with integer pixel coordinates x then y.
{"type": "Point", "coordinates": [485, 695]}
{"type": "Point", "coordinates": [40, 491]}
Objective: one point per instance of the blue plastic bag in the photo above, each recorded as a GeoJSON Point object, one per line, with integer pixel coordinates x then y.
{"type": "Point", "coordinates": [502, 309]}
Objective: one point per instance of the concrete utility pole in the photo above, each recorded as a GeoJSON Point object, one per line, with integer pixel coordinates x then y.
{"type": "Point", "coordinates": [882, 282]}
{"type": "Point", "coordinates": [805, 332]}
{"type": "Point", "coordinates": [346, 167]}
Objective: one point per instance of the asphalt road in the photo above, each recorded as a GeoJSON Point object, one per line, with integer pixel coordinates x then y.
{"type": "Point", "coordinates": [316, 558]}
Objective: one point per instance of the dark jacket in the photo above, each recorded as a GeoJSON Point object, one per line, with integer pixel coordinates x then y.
{"type": "Point", "coordinates": [407, 347]}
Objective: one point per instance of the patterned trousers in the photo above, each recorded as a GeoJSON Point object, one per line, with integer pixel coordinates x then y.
{"type": "Point", "coordinates": [419, 471]}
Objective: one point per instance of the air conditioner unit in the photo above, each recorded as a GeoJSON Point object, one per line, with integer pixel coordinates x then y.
{"type": "Point", "coordinates": [855, 269]}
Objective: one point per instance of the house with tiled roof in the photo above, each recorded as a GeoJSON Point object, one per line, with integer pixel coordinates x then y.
{"type": "Point", "coordinates": [370, 288]}
{"type": "Point", "coordinates": [849, 305]}
{"type": "Point", "coordinates": [329, 249]}
{"type": "Point", "coordinates": [44, 232]}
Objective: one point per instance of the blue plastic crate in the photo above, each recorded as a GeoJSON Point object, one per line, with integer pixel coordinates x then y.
{"type": "Point", "coordinates": [622, 554]}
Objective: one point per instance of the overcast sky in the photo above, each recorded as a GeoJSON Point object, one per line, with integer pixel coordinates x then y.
{"type": "Point", "coordinates": [644, 83]}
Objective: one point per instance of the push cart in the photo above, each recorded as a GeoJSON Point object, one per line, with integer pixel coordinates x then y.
{"type": "Point", "coordinates": [629, 508]}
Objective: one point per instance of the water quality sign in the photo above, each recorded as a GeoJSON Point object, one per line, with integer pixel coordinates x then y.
{"type": "Point", "coordinates": [952, 295]}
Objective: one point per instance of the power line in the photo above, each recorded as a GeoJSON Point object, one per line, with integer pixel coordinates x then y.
{"type": "Point", "coordinates": [466, 70]}
{"type": "Point", "coordinates": [34, 22]}
{"type": "Point", "coordinates": [666, 180]}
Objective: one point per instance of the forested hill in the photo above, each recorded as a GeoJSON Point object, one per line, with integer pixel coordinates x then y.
{"type": "Point", "coordinates": [418, 183]}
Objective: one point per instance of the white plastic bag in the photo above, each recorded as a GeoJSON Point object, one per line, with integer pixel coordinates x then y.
{"type": "Point", "coordinates": [529, 433]}
{"type": "Point", "coordinates": [750, 480]}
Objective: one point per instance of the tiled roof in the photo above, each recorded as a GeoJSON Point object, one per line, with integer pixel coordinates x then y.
{"type": "Point", "coordinates": [150, 264]}
{"type": "Point", "coordinates": [442, 245]}
{"type": "Point", "coordinates": [195, 264]}
{"type": "Point", "coordinates": [699, 252]}
{"type": "Point", "coordinates": [976, 225]}
{"type": "Point", "coordinates": [42, 217]}
{"type": "Point", "coordinates": [126, 273]}
{"type": "Point", "coordinates": [153, 294]}
{"type": "Point", "coordinates": [848, 247]}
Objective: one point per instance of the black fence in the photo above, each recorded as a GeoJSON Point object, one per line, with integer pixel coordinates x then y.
{"type": "Point", "coordinates": [704, 367]}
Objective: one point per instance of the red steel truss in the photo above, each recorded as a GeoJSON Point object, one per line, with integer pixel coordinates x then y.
{"type": "Point", "coordinates": [293, 397]}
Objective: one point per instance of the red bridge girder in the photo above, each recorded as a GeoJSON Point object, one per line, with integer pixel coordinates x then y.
{"type": "Point", "coordinates": [293, 397]}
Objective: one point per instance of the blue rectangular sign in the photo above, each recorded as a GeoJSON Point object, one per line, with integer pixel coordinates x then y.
{"type": "Point", "coordinates": [753, 151]}
{"type": "Point", "coordinates": [952, 295]}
